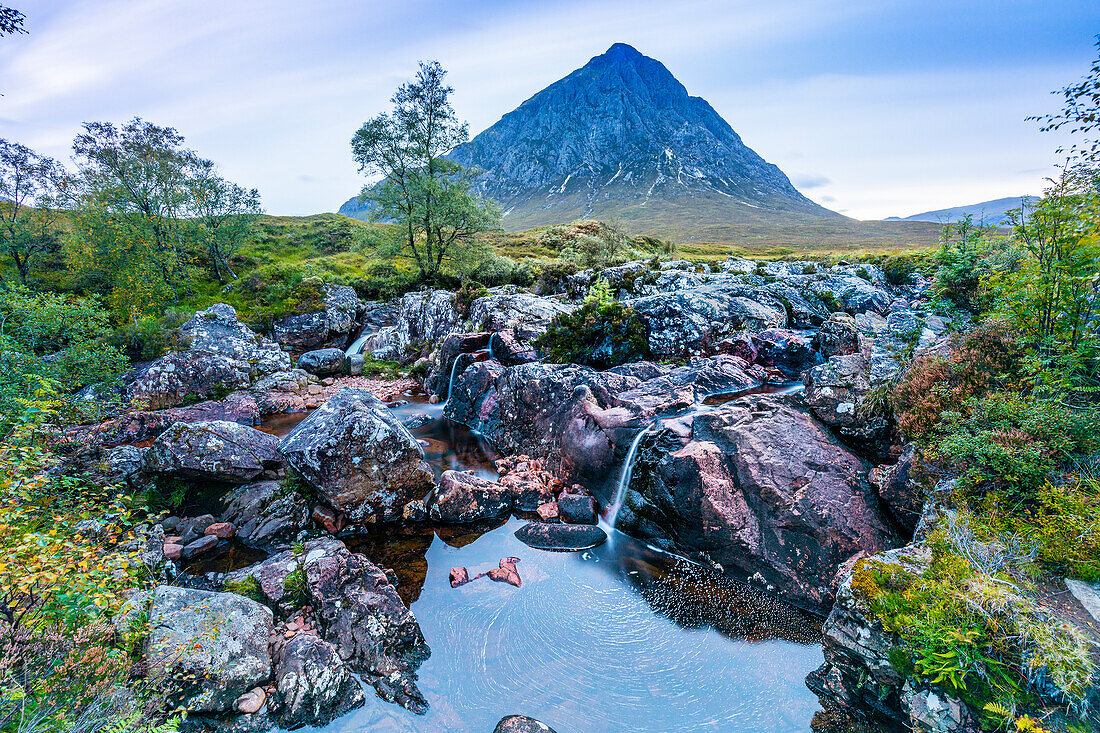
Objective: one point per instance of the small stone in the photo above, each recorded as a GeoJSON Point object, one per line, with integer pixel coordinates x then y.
{"type": "Point", "coordinates": [251, 701]}
{"type": "Point", "coordinates": [314, 389]}
{"type": "Point", "coordinates": [172, 551]}
{"type": "Point", "coordinates": [327, 518]}
{"type": "Point", "coordinates": [222, 530]}
{"type": "Point", "coordinates": [328, 381]}
{"type": "Point", "coordinates": [548, 512]}
{"type": "Point", "coordinates": [459, 576]}
{"type": "Point", "coordinates": [433, 400]}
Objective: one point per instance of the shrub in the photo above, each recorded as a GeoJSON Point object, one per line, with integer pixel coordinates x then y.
{"type": "Point", "coordinates": [467, 294]}
{"type": "Point", "coordinates": [553, 275]}
{"type": "Point", "coordinates": [602, 333]}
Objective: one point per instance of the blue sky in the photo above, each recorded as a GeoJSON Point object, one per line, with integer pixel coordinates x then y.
{"type": "Point", "coordinates": [872, 107]}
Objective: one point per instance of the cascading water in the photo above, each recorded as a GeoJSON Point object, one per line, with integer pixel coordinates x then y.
{"type": "Point", "coordinates": [451, 382]}
{"type": "Point", "coordinates": [357, 345]}
{"type": "Point", "coordinates": [624, 476]}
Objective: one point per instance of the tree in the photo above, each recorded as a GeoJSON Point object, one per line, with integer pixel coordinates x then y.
{"type": "Point", "coordinates": [1080, 113]}
{"type": "Point", "coordinates": [429, 197]}
{"type": "Point", "coordinates": [30, 186]}
{"type": "Point", "coordinates": [225, 215]}
{"type": "Point", "coordinates": [11, 21]}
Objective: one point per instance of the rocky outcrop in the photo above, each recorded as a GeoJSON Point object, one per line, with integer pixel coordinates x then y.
{"type": "Point", "coordinates": [423, 318]}
{"type": "Point", "coordinates": [212, 451]}
{"type": "Point", "coordinates": [358, 456]}
{"type": "Point", "coordinates": [463, 497]}
{"type": "Point", "coordinates": [526, 315]}
{"type": "Point", "coordinates": [207, 649]}
{"type": "Point", "coordinates": [362, 615]}
{"type": "Point", "coordinates": [313, 683]}
{"type": "Point", "coordinates": [763, 490]}
{"type": "Point", "coordinates": [220, 355]}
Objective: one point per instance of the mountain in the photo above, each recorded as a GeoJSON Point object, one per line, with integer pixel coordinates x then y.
{"type": "Point", "coordinates": [621, 138]}
{"type": "Point", "coordinates": [990, 212]}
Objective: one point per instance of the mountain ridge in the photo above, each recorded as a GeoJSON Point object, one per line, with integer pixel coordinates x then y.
{"type": "Point", "coordinates": [993, 212]}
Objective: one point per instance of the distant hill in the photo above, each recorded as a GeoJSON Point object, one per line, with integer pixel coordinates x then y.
{"type": "Point", "coordinates": [989, 212]}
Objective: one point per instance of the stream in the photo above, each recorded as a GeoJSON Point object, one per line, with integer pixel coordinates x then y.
{"type": "Point", "coordinates": [620, 638]}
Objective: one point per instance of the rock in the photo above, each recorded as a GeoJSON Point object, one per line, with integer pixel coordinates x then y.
{"type": "Point", "coordinates": [521, 724]}
{"type": "Point", "coordinates": [510, 350]}
{"type": "Point", "coordinates": [266, 515]}
{"type": "Point", "coordinates": [418, 420]}
{"type": "Point", "coordinates": [193, 528]}
{"type": "Point", "coordinates": [788, 351]}
{"type": "Point", "coordinates": [685, 321]}
{"type": "Point", "coordinates": [507, 572]}
{"type": "Point", "coordinates": [561, 536]}
{"type": "Point", "coordinates": [302, 332]}
{"type": "Point", "coordinates": [186, 376]}
{"type": "Point", "coordinates": [577, 509]}
{"type": "Point", "coordinates": [851, 293]}
{"type": "Point", "coordinates": [900, 492]}
{"type": "Point", "coordinates": [424, 317]}
{"type": "Point", "coordinates": [1087, 594]}
{"type": "Point", "coordinates": [459, 576]}
{"type": "Point", "coordinates": [358, 456]}
{"type": "Point", "coordinates": [324, 362]}
{"type": "Point", "coordinates": [453, 347]}
{"type": "Point", "coordinates": [842, 394]}
{"type": "Point", "coordinates": [526, 315]}
{"type": "Point", "coordinates": [548, 512]}
{"type": "Point", "coordinates": [251, 701]}
{"type": "Point", "coordinates": [415, 511]}
{"type": "Point", "coordinates": [212, 451]}
{"type": "Point", "coordinates": [173, 551]}
{"type": "Point", "coordinates": [313, 682]}
{"type": "Point", "coordinates": [462, 496]}
{"type": "Point", "coordinates": [839, 336]}
{"type": "Point", "coordinates": [217, 331]}
{"type": "Point", "coordinates": [761, 488]}
{"type": "Point", "coordinates": [362, 615]}
{"type": "Point", "coordinates": [198, 547]}
{"type": "Point", "coordinates": [222, 530]}
{"type": "Point", "coordinates": [209, 648]}
{"type": "Point", "coordinates": [311, 330]}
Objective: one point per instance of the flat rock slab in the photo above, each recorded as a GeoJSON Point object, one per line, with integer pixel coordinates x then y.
{"type": "Point", "coordinates": [1087, 594]}
{"type": "Point", "coordinates": [562, 537]}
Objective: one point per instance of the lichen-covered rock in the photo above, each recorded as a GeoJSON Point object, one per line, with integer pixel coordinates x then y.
{"type": "Point", "coordinates": [214, 451]}
{"type": "Point", "coordinates": [313, 684]}
{"type": "Point", "coordinates": [842, 393]}
{"type": "Point", "coordinates": [524, 314]}
{"type": "Point", "coordinates": [509, 349]}
{"type": "Point", "coordinates": [521, 724]}
{"type": "Point", "coordinates": [362, 615]}
{"type": "Point", "coordinates": [217, 331]}
{"type": "Point", "coordinates": [358, 456]}
{"type": "Point", "coordinates": [207, 648]}
{"type": "Point", "coordinates": [423, 318]}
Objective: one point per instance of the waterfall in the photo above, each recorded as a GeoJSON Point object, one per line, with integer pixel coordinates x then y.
{"type": "Point", "coordinates": [451, 383]}
{"type": "Point", "coordinates": [624, 476]}
{"type": "Point", "coordinates": [357, 345]}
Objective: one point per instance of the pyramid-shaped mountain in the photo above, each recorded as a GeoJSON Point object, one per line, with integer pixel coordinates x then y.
{"type": "Point", "coordinates": [622, 139]}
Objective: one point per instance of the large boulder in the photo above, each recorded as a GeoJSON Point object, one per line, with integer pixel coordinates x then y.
{"type": "Point", "coordinates": [207, 648]}
{"type": "Point", "coordinates": [848, 392]}
{"type": "Point", "coordinates": [688, 321]}
{"type": "Point", "coordinates": [217, 331]}
{"type": "Point", "coordinates": [851, 293]}
{"type": "Point", "coordinates": [454, 346]}
{"type": "Point", "coordinates": [358, 456]}
{"type": "Point", "coordinates": [313, 683]}
{"type": "Point", "coordinates": [423, 318]}
{"type": "Point", "coordinates": [525, 314]}
{"type": "Point", "coordinates": [764, 490]}
{"type": "Point", "coordinates": [217, 450]}
{"type": "Point", "coordinates": [324, 362]}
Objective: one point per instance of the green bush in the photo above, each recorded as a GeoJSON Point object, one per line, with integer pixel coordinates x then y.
{"type": "Point", "coordinates": [466, 294]}
{"type": "Point", "coordinates": [602, 333]}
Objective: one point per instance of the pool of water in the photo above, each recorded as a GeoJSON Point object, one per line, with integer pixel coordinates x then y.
{"type": "Point", "coordinates": [619, 638]}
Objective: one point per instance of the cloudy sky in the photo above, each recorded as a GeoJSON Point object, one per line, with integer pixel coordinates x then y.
{"type": "Point", "coordinates": [872, 107]}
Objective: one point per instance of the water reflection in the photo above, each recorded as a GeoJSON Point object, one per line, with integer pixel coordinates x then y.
{"type": "Point", "coordinates": [619, 638]}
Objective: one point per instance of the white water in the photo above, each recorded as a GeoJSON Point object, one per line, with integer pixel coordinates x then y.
{"type": "Point", "coordinates": [357, 345]}
{"type": "Point", "coordinates": [624, 477]}
{"type": "Point", "coordinates": [451, 383]}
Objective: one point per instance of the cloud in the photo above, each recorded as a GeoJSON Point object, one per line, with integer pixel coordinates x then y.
{"type": "Point", "coordinates": [809, 180]}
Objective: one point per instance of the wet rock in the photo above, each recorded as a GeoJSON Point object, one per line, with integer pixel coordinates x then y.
{"type": "Point", "coordinates": [198, 547]}
{"type": "Point", "coordinates": [510, 350]}
{"type": "Point", "coordinates": [419, 420]}
{"type": "Point", "coordinates": [788, 351]}
{"type": "Point", "coordinates": [362, 615]}
{"type": "Point", "coordinates": [358, 456]}
{"type": "Point", "coordinates": [561, 536]}
{"type": "Point", "coordinates": [192, 528]}
{"type": "Point", "coordinates": [266, 515]}
{"type": "Point", "coordinates": [762, 488]}
{"type": "Point", "coordinates": [424, 317]}
{"type": "Point", "coordinates": [334, 324]}
{"type": "Point", "coordinates": [327, 518]}
{"type": "Point", "coordinates": [173, 551]}
{"type": "Point", "coordinates": [450, 350]}
{"type": "Point", "coordinates": [459, 576]}
{"type": "Point", "coordinates": [313, 683]}
{"type": "Point", "coordinates": [521, 724]}
{"type": "Point", "coordinates": [209, 648]}
{"type": "Point", "coordinates": [217, 450]}
{"type": "Point", "coordinates": [577, 509]}
{"type": "Point", "coordinates": [251, 701]}
{"type": "Point", "coordinates": [463, 497]}
{"type": "Point", "coordinates": [839, 336]}
{"type": "Point", "coordinates": [323, 362]}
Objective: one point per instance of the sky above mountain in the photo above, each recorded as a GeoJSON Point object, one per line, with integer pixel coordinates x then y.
{"type": "Point", "coordinates": [872, 107]}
